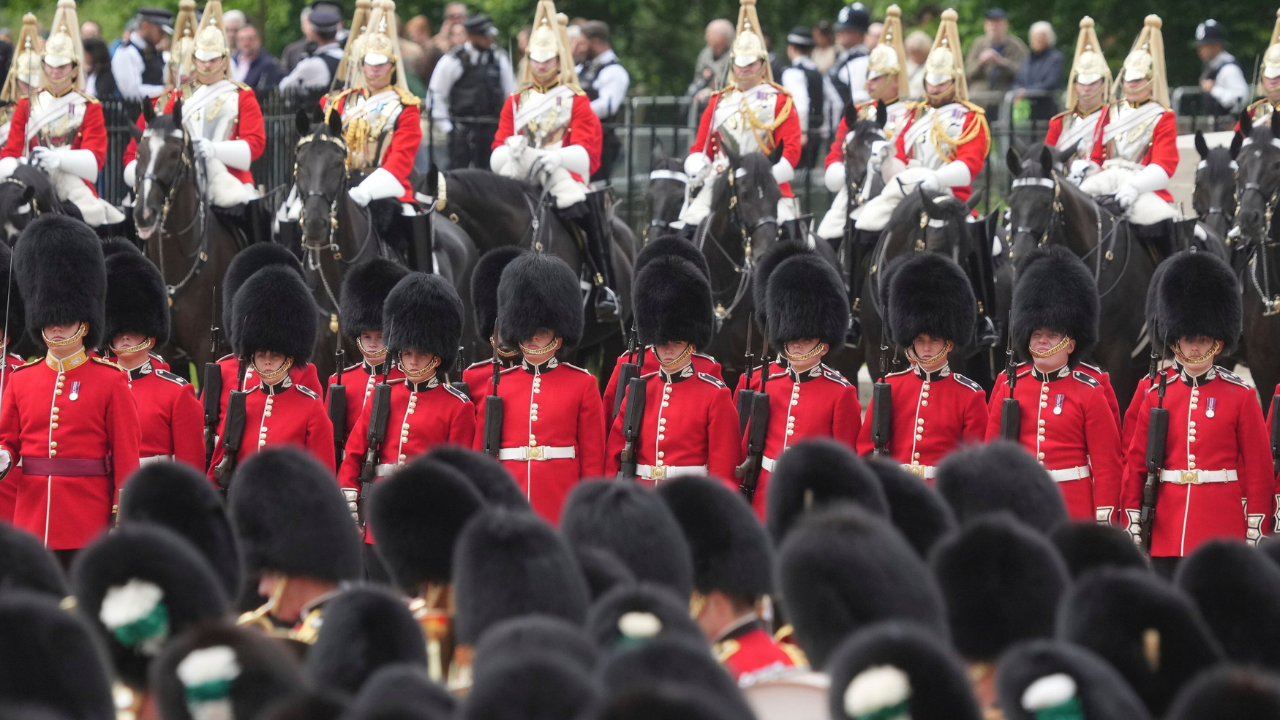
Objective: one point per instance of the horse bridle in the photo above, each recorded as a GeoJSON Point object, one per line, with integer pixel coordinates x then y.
{"type": "Point", "coordinates": [22, 187]}
{"type": "Point", "coordinates": [1270, 304]}
{"type": "Point", "coordinates": [674, 176]}
{"type": "Point", "coordinates": [747, 231]}
{"type": "Point", "coordinates": [201, 253]}
{"type": "Point", "coordinates": [1055, 219]}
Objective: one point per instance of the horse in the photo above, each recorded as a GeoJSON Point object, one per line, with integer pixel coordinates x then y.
{"type": "Point", "coordinates": [665, 195]}
{"type": "Point", "coordinates": [1258, 193]}
{"type": "Point", "coordinates": [179, 233]}
{"type": "Point", "coordinates": [26, 194]}
{"type": "Point", "coordinates": [1214, 197]}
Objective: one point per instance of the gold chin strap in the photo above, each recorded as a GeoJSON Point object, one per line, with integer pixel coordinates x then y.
{"type": "Point", "coordinates": [271, 377]}
{"type": "Point", "coordinates": [366, 353]}
{"type": "Point", "coordinates": [817, 350]}
{"type": "Point", "coordinates": [697, 602]}
{"type": "Point", "coordinates": [261, 618]}
{"type": "Point", "coordinates": [144, 345]}
{"type": "Point", "coordinates": [502, 353]}
{"type": "Point", "coordinates": [539, 352]}
{"type": "Point", "coordinates": [419, 374]}
{"type": "Point", "coordinates": [679, 361]}
{"type": "Point", "coordinates": [80, 331]}
{"type": "Point", "coordinates": [1053, 350]}
{"type": "Point", "coordinates": [1217, 346]}
{"type": "Point", "coordinates": [946, 348]}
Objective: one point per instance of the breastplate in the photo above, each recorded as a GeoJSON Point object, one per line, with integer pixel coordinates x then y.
{"type": "Point", "coordinates": [215, 121]}
{"type": "Point", "coordinates": [930, 147]}
{"type": "Point", "coordinates": [1131, 145]}
{"type": "Point", "coordinates": [62, 131]}
{"type": "Point", "coordinates": [546, 129]}
{"type": "Point", "coordinates": [368, 124]}
{"type": "Point", "coordinates": [745, 119]}
{"type": "Point", "coordinates": [1261, 114]}
{"type": "Point", "coordinates": [895, 113]}
{"type": "Point", "coordinates": [1079, 131]}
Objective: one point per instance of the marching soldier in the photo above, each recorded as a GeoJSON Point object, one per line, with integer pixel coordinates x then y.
{"type": "Point", "coordinates": [484, 301]}
{"type": "Point", "coordinates": [1268, 81]}
{"type": "Point", "coordinates": [171, 420]}
{"type": "Point", "coordinates": [1088, 87]}
{"type": "Point", "coordinates": [931, 310]}
{"type": "Point", "coordinates": [1065, 422]}
{"type": "Point", "coordinates": [14, 327]}
{"type": "Point", "coordinates": [552, 433]}
{"type": "Point", "coordinates": [24, 77]}
{"type": "Point", "coordinates": [69, 418]}
{"type": "Point", "coordinates": [770, 259]}
{"type": "Point", "coordinates": [672, 301]}
{"type": "Point", "coordinates": [60, 129]}
{"type": "Point", "coordinates": [364, 293]}
{"type": "Point", "coordinates": [1216, 454]}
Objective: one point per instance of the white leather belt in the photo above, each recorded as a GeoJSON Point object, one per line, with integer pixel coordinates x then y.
{"type": "Point", "coordinates": [1196, 477]}
{"type": "Point", "coordinates": [924, 472]}
{"type": "Point", "coordinates": [1068, 474]}
{"type": "Point", "coordinates": [526, 453]}
{"type": "Point", "coordinates": [382, 470]}
{"type": "Point", "coordinates": [143, 462]}
{"type": "Point", "coordinates": [766, 463]}
{"type": "Point", "coordinates": [667, 472]}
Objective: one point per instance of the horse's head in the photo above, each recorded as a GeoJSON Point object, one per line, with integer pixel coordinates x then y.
{"type": "Point", "coordinates": [1214, 198]}
{"type": "Point", "coordinates": [1258, 177]}
{"type": "Point", "coordinates": [862, 141]}
{"type": "Point", "coordinates": [164, 161]}
{"type": "Point", "coordinates": [320, 173]}
{"type": "Point", "coordinates": [17, 205]}
{"type": "Point", "coordinates": [943, 224]}
{"type": "Point", "coordinates": [1035, 189]}
{"type": "Point", "coordinates": [749, 192]}
{"type": "Point", "coordinates": [665, 194]}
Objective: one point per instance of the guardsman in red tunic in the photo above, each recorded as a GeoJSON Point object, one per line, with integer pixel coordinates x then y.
{"type": "Point", "coordinates": [275, 319]}
{"type": "Point", "coordinates": [1065, 422]}
{"type": "Point", "coordinates": [1217, 480]}
{"type": "Point", "coordinates": [14, 327]}
{"type": "Point", "coordinates": [484, 302]}
{"type": "Point", "coordinates": [760, 303]}
{"type": "Point", "coordinates": [69, 417]}
{"type": "Point", "coordinates": [1088, 87]}
{"type": "Point", "coordinates": [689, 425]}
{"type": "Point", "coordinates": [552, 420]}
{"type": "Point", "coordinates": [931, 311]}
{"type": "Point", "coordinates": [733, 571]}
{"type": "Point", "coordinates": [170, 418]}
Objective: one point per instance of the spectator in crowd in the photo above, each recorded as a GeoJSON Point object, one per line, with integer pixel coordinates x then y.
{"type": "Point", "coordinates": [848, 82]}
{"type": "Point", "coordinates": [315, 71]}
{"type": "Point", "coordinates": [522, 47]}
{"type": "Point", "coordinates": [295, 51]}
{"type": "Point", "coordinates": [468, 89]}
{"type": "Point", "coordinates": [138, 67]}
{"type": "Point", "coordinates": [1221, 78]}
{"type": "Point", "coordinates": [455, 13]}
{"type": "Point", "coordinates": [605, 81]}
{"type": "Point", "coordinates": [232, 21]}
{"type": "Point", "coordinates": [254, 66]}
{"type": "Point", "coordinates": [807, 87]}
{"type": "Point", "coordinates": [927, 15]}
{"type": "Point", "coordinates": [6, 36]}
{"type": "Point", "coordinates": [99, 82]}
{"type": "Point", "coordinates": [993, 62]}
{"type": "Point", "coordinates": [130, 27]}
{"type": "Point", "coordinates": [577, 43]}
{"type": "Point", "coordinates": [873, 35]}
{"type": "Point", "coordinates": [419, 31]}
{"type": "Point", "coordinates": [824, 46]}
{"type": "Point", "coordinates": [6, 54]}
{"type": "Point", "coordinates": [457, 36]}
{"type": "Point", "coordinates": [412, 54]}
{"type": "Point", "coordinates": [90, 29]}
{"type": "Point", "coordinates": [712, 65]}
{"type": "Point", "coordinates": [917, 45]}
{"type": "Point", "coordinates": [1042, 71]}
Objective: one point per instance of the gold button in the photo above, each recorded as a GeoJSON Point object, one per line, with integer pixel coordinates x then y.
{"type": "Point", "coordinates": [532, 442]}
{"type": "Point", "coordinates": [665, 403]}
{"type": "Point", "coordinates": [659, 463]}
{"type": "Point", "coordinates": [919, 437]}
{"type": "Point", "coordinates": [925, 386]}
{"type": "Point", "coordinates": [1039, 456]}
{"type": "Point", "coordinates": [1041, 423]}
{"type": "Point", "coordinates": [791, 432]}
{"type": "Point", "coordinates": [536, 391]}
{"type": "Point", "coordinates": [402, 457]}
{"type": "Point", "coordinates": [404, 426]}
{"type": "Point", "coordinates": [54, 426]}
{"type": "Point", "coordinates": [534, 406]}
{"type": "Point", "coordinates": [924, 394]}
{"type": "Point", "coordinates": [1191, 458]}
{"type": "Point", "coordinates": [1195, 393]}
{"type": "Point", "coordinates": [795, 402]}
{"type": "Point", "coordinates": [919, 421]}
{"type": "Point", "coordinates": [262, 444]}
{"type": "Point", "coordinates": [1191, 439]}
{"type": "Point", "coordinates": [1192, 431]}
{"type": "Point", "coordinates": [1044, 404]}
{"type": "Point", "coordinates": [1191, 466]}
{"type": "Point", "coordinates": [267, 413]}
{"type": "Point", "coordinates": [1191, 424]}
{"type": "Point", "coordinates": [55, 410]}
{"type": "Point", "coordinates": [662, 421]}
{"type": "Point", "coordinates": [662, 437]}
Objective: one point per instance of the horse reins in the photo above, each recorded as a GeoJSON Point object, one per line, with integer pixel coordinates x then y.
{"type": "Point", "coordinates": [200, 255]}
{"type": "Point", "coordinates": [736, 219]}
{"type": "Point", "coordinates": [1270, 305]}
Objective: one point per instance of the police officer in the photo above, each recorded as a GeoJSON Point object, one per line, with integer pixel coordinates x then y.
{"type": "Point", "coordinates": [316, 71]}
{"type": "Point", "coordinates": [1221, 79]}
{"type": "Point", "coordinates": [605, 81]}
{"type": "Point", "coordinates": [467, 88]}
{"type": "Point", "coordinates": [364, 292]}
{"type": "Point", "coordinates": [807, 86]}
{"type": "Point", "coordinates": [139, 65]}
{"type": "Point", "coordinates": [484, 299]}
{"type": "Point", "coordinates": [851, 26]}
{"type": "Point", "coordinates": [1088, 87]}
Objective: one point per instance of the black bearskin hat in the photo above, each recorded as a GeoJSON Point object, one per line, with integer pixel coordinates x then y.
{"type": "Point", "coordinates": [602, 570]}
{"type": "Point", "coordinates": [417, 514]}
{"type": "Point", "coordinates": [1151, 308]}
{"type": "Point", "coordinates": [313, 704]}
{"type": "Point", "coordinates": [424, 313]}
{"type": "Point", "coordinates": [512, 563]}
{"type": "Point", "coordinates": [137, 300]}
{"type": "Point", "coordinates": [1228, 692]}
{"type": "Point", "coordinates": [180, 498]}
{"type": "Point", "coordinates": [1199, 295]}
{"type": "Point", "coordinates": [765, 265]}
{"type": "Point", "coordinates": [139, 586]}
{"type": "Point", "coordinates": [845, 569]}
{"type": "Point", "coordinates": [62, 277]}
{"type": "Point", "coordinates": [916, 509]}
{"type": "Point", "coordinates": [893, 662]}
{"type": "Point", "coordinates": [530, 687]}
{"type": "Point", "coordinates": [814, 473]}
{"type": "Point", "coordinates": [672, 660]}
{"type": "Point", "coordinates": [1000, 476]}
{"type": "Point", "coordinates": [806, 299]}
{"type": "Point", "coordinates": [1055, 290]}
{"type": "Point", "coordinates": [1088, 546]}
{"type": "Point", "coordinates": [487, 475]}
{"type": "Point", "coordinates": [402, 692]}
{"type": "Point", "coordinates": [672, 301]}
{"type": "Point", "coordinates": [929, 294]}
{"type": "Point", "coordinates": [51, 657]}
{"type": "Point", "coordinates": [730, 548]}
{"type": "Point", "coordinates": [635, 525]}
{"type": "Point", "coordinates": [535, 635]}
{"type": "Point", "coordinates": [1236, 588]}
{"type": "Point", "coordinates": [1037, 675]}
{"type": "Point", "coordinates": [274, 311]}
{"type": "Point", "coordinates": [539, 292]}
{"type": "Point", "coordinates": [245, 263]}
{"type": "Point", "coordinates": [364, 292]}
{"type": "Point", "coordinates": [1002, 582]}
{"type": "Point", "coordinates": [26, 564]}
{"type": "Point", "coordinates": [1147, 629]}
{"type": "Point", "coordinates": [670, 701]}
{"type": "Point", "coordinates": [639, 613]}
{"type": "Point", "coordinates": [257, 672]}
{"type": "Point", "coordinates": [364, 629]}
{"type": "Point", "coordinates": [14, 317]}
{"type": "Point", "coordinates": [671, 245]}
{"type": "Point", "coordinates": [484, 286]}
{"type": "Point", "coordinates": [291, 517]}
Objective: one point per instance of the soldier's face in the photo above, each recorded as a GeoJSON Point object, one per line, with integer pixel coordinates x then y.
{"type": "Point", "coordinates": [23, 89]}
{"type": "Point", "coordinates": [1091, 94]}
{"type": "Point", "coordinates": [879, 87]}
{"type": "Point", "coordinates": [750, 75]}
{"type": "Point", "coordinates": [798, 348]}
{"type": "Point", "coordinates": [1197, 353]}
{"type": "Point", "coordinates": [208, 71]}
{"type": "Point", "coordinates": [541, 339]}
{"type": "Point", "coordinates": [415, 362]}
{"type": "Point", "coordinates": [1137, 90]}
{"type": "Point", "coordinates": [1042, 341]}
{"type": "Point", "coordinates": [59, 75]}
{"type": "Point", "coordinates": [268, 361]}
{"type": "Point", "coordinates": [379, 76]}
{"type": "Point", "coordinates": [930, 351]}
{"type": "Point", "coordinates": [544, 72]}
{"type": "Point", "coordinates": [668, 352]}
{"type": "Point", "coordinates": [58, 333]}
{"type": "Point", "coordinates": [127, 340]}
{"type": "Point", "coordinates": [1272, 86]}
{"type": "Point", "coordinates": [371, 344]}
{"type": "Point", "coordinates": [941, 89]}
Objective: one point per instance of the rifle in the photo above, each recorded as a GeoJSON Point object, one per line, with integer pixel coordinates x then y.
{"type": "Point", "coordinates": [626, 372]}
{"type": "Point", "coordinates": [493, 412]}
{"type": "Point", "coordinates": [233, 433]}
{"type": "Point", "coordinates": [1157, 434]}
{"type": "Point", "coordinates": [211, 392]}
{"type": "Point", "coordinates": [1275, 432]}
{"type": "Point", "coordinates": [746, 395]}
{"type": "Point", "coordinates": [749, 470]}
{"type": "Point", "coordinates": [634, 393]}
{"type": "Point", "coordinates": [1010, 413]}
{"type": "Point", "coordinates": [882, 404]}
{"type": "Point", "coordinates": [456, 381]}
{"type": "Point", "coordinates": [379, 415]}
{"type": "Point", "coordinates": [338, 405]}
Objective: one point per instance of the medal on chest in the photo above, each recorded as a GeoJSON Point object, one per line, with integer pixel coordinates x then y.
{"type": "Point", "coordinates": [75, 391]}
{"type": "Point", "coordinates": [1213, 403]}
{"type": "Point", "coordinates": [1057, 404]}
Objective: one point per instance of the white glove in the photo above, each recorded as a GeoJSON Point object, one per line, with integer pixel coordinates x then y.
{"type": "Point", "coordinates": [46, 158]}
{"type": "Point", "coordinates": [880, 151]}
{"type": "Point", "coordinates": [233, 153]}
{"type": "Point", "coordinates": [1126, 194]}
{"type": "Point", "coordinates": [954, 174]}
{"type": "Point", "coordinates": [548, 162]}
{"type": "Point", "coordinates": [697, 166]}
{"type": "Point", "coordinates": [360, 196]}
{"type": "Point", "coordinates": [5, 461]}
{"type": "Point", "coordinates": [7, 166]}
{"type": "Point", "coordinates": [1081, 169]}
{"type": "Point", "coordinates": [783, 171]}
{"type": "Point", "coordinates": [929, 182]}
{"type": "Point", "coordinates": [131, 174]}
{"type": "Point", "coordinates": [517, 144]}
{"type": "Point", "coordinates": [835, 177]}
{"type": "Point", "coordinates": [352, 496]}
{"type": "Point", "coordinates": [203, 148]}
{"type": "Point", "coordinates": [379, 185]}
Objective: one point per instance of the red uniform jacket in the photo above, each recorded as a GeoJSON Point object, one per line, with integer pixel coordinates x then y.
{"type": "Point", "coordinates": [479, 378]}
{"type": "Point", "coordinates": [701, 363]}
{"type": "Point", "coordinates": [836, 153]}
{"type": "Point", "coordinates": [751, 655]}
{"type": "Point", "coordinates": [248, 127]}
{"type": "Point", "coordinates": [583, 130]}
{"type": "Point", "coordinates": [305, 376]}
{"type": "Point", "coordinates": [788, 133]}
{"type": "Point", "coordinates": [690, 427]}
{"type": "Point", "coordinates": [399, 157]}
{"type": "Point", "coordinates": [1066, 425]}
{"type": "Point", "coordinates": [426, 414]}
{"type": "Point", "coordinates": [85, 413]}
{"type": "Point", "coordinates": [819, 403]}
{"type": "Point", "coordinates": [9, 485]}
{"type": "Point", "coordinates": [1163, 150]}
{"type": "Point", "coordinates": [1135, 407]}
{"type": "Point", "coordinates": [972, 153]}
{"type": "Point", "coordinates": [360, 380]}
{"type": "Point", "coordinates": [1215, 424]}
{"type": "Point", "coordinates": [933, 414]}
{"type": "Point", "coordinates": [775, 367]}
{"type": "Point", "coordinates": [92, 134]}
{"type": "Point", "coordinates": [552, 408]}
{"type": "Point", "coordinates": [169, 415]}
{"type": "Point", "coordinates": [283, 414]}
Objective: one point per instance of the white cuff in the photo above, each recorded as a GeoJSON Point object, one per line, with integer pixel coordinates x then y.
{"type": "Point", "coordinates": [382, 184]}
{"type": "Point", "coordinates": [131, 174]}
{"type": "Point", "coordinates": [835, 177]}
{"type": "Point", "coordinates": [574, 158]}
{"type": "Point", "coordinates": [954, 174]}
{"type": "Point", "coordinates": [7, 166]}
{"type": "Point", "coordinates": [499, 158]}
{"type": "Point", "coordinates": [783, 171]}
{"type": "Point", "coordinates": [1150, 179]}
{"type": "Point", "coordinates": [696, 163]}
{"type": "Point", "coordinates": [233, 153]}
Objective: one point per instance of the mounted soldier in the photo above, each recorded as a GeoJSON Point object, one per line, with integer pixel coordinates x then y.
{"type": "Point", "coordinates": [24, 77]}
{"type": "Point", "coordinates": [1268, 81]}
{"type": "Point", "coordinates": [1088, 87]}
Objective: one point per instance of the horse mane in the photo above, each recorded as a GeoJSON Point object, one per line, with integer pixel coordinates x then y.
{"type": "Point", "coordinates": [669, 163]}
{"type": "Point", "coordinates": [907, 213]}
{"type": "Point", "coordinates": [166, 122]}
{"type": "Point", "coordinates": [1218, 165]}
{"type": "Point", "coordinates": [756, 169]}
{"type": "Point", "coordinates": [482, 183]}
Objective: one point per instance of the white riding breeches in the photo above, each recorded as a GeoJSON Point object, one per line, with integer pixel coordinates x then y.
{"type": "Point", "coordinates": [879, 209]}
{"type": "Point", "coordinates": [224, 189]}
{"type": "Point", "coordinates": [1147, 209]}
{"type": "Point", "coordinates": [72, 188]}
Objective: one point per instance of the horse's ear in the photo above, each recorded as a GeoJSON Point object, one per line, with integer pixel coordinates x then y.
{"type": "Point", "coordinates": [850, 115]}
{"type": "Point", "coordinates": [1246, 123]}
{"type": "Point", "coordinates": [1046, 160]}
{"type": "Point", "coordinates": [136, 133]}
{"type": "Point", "coordinates": [433, 180]}
{"type": "Point", "coordinates": [335, 124]}
{"type": "Point", "coordinates": [148, 112]}
{"type": "Point", "coordinates": [1202, 147]}
{"type": "Point", "coordinates": [1237, 142]}
{"type": "Point", "coordinates": [776, 154]}
{"type": "Point", "coordinates": [882, 114]}
{"type": "Point", "coordinates": [1013, 162]}
{"type": "Point", "coordinates": [1062, 156]}
{"type": "Point", "coordinates": [303, 121]}
{"type": "Point", "coordinates": [973, 201]}
{"type": "Point", "coordinates": [28, 194]}
{"type": "Point", "coordinates": [659, 153]}
{"type": "Point", "coordinates": [176, 112]}
{"type": "Point", "coordinates": [927, 203]}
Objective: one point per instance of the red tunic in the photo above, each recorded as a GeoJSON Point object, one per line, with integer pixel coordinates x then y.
{"type": "Point", "coordinates": [9, 485]}
{"type": "Point", "coordinates": [305, 376]}
{"type": "Point", "coordinates": [1067, 426]}
{"type": "Point", "coordinates": [690, 427]}
{"type": "Point", "coordinates": [84, 413]}
{"type": "Point", "coordinates": [1104, 379]}
{"type": "Point", "coordinates": [1135, 406]}
{"type": "Point", "coordinates": [1162, 151]}
{"type": "Point", "coordinates": [972, 153]}
{"type": "Point", "coordinates": [296, 417]}
{"type": "Point", "coordinates": [820, 403]}
{"type": "Point", "coordinates": [751, 655]}
{"type": "Point", "coordinates": [248, 127]}
{"type": "Point", "coordinates": [400, 154]}
{"type": "Point", "coordinates": [1215, 424]}
{"type": "Point", "coordinates": [775, 367]}
{"type": "Point", "coordinates": [91, 135]}
{"type": "Point", "coordinates": [555, 409]}
{"type": "Point", "coordinates": [359, 380]}
{"type": "Point", "coordinates": [788, 133]}
{"type": "Point", "coordinates": [701, 363]}
{"type": "Point", "coordinates": [169, 415]}
{"type": "Point", "coordinates": [933, 414]}
{"type": "Point", "coordinates": [836, 153]}
{"type": "Point", "coordinates": [583, 130]}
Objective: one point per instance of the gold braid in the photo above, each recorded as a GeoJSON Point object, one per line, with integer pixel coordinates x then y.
{"type": "Point", "coordinates": [939, 137]}
{"type": "Point", "coordinates": [758, 127]}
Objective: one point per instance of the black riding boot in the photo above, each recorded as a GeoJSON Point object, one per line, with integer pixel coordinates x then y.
{"type": "Point", "coordinates": [1159, 236]}
{"type": "Point", "coordinates": [590, 220]}
{"type": "Point", "coordinates": [858, 249]}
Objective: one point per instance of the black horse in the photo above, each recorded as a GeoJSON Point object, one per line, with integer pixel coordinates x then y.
{"type": "Point", "coordinates": [1214, 198]}
{"type": "Point", "coordinates": [26, 194]}
{"type": "Point", "coordinates": [1258, 192]}
{"type": "Point", "coordinates": [664, 197]}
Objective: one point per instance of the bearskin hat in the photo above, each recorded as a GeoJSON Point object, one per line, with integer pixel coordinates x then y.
{"type": "Point", "coordinates": [896, 663]}
{"type": "Point", "coordinates": [364, 292]}
{"type": "Point", "coordinates": [670, 245]}
{"type": "Point", "coordinates": [1148, 630]}
{"type": "Point", "coordinates": [1236, 588]}
{"type": "Point", "coordinates": [242, 266]}
{"type": "Point", "coordinates": [635, 525]}
{"type": "Point", "coordinates": [14, 315]}
{"type": "Point", "coordinates": [141, 585]}
{"type": "Point", "coordinates": [52, 657]}
{"type": "Point", "coordinates": [537, 292]}
{"type": "Point", "coordinates": [402, 692]}
{"type": "Point", "coordinates": [806, 299]}
{"type": "Point", "coordinates": [311, 704]}
{"type": "Point", "coordinates": [672, 660]}
{"type": "Point", "coordinates": [1200, 295]}
{"type": "Point", "coordinates": [1002, 582]}
{"type": "Point", "coordinates": [137, 300]}
{"type": "Point", "coordinates": [61, 275]}
{"type": "Point", "coordinates": [424, 313]}
{"type": "Point", "coordinates": [1000, 476]}
{"type": "Point", "coordinates": [180, 498]}
{"type": "Point", "coordinates": [1055, 290]}
{"type": "Point", "coordinates": [535, 635]}
{"type": "Point", "coordinates": [241, 669]}
{"type": "Point", "coordinates": [291, 518]}
{"type": "Point", "coordinates": [274, 311]}
{"type": "Point", "coordinates": [602, 570]}
{"type": "Point", "coordinates": [639, 613]}
{"type": "Point", "coordinates": [814, 473]}
{"type": "Point", "coordinates": [669, 701]}
{"type": "Point", "coordinates": [485, 279]}
{"type": "Point", "coordinates": [730, 548]}
{"type": "Point", "coordinates": [1038, 675]}
{"type": "Point", "coordinates": [509, 563]}
{"type": "Point", "coordinates": [1151, 308]}
{"type": "Point", "coordinates": [1087, 546]}
{"type": "Point", "coordinates": [672, 301]}
{"type": "Point", "coordinates": [487, 475]}
{"type": "Point", "coordinates": [530, 687]}
{"type": "Point", "coordinates": [417, 514]}
{"type": "Point", "coordinates": [364, 629]}
{"type": "Point", "coordinates": [928, 294]}
{"type": "Point", "coordinates": [916, 509]}
{"type": "Point", "coordinates": [765, 265]}
{"type": "Point", "coordinates": [1228, 692]}
{"type": "Point", "coordinates": [26, 564]}
{"type": "Point", "coordinates": [846, 568]}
